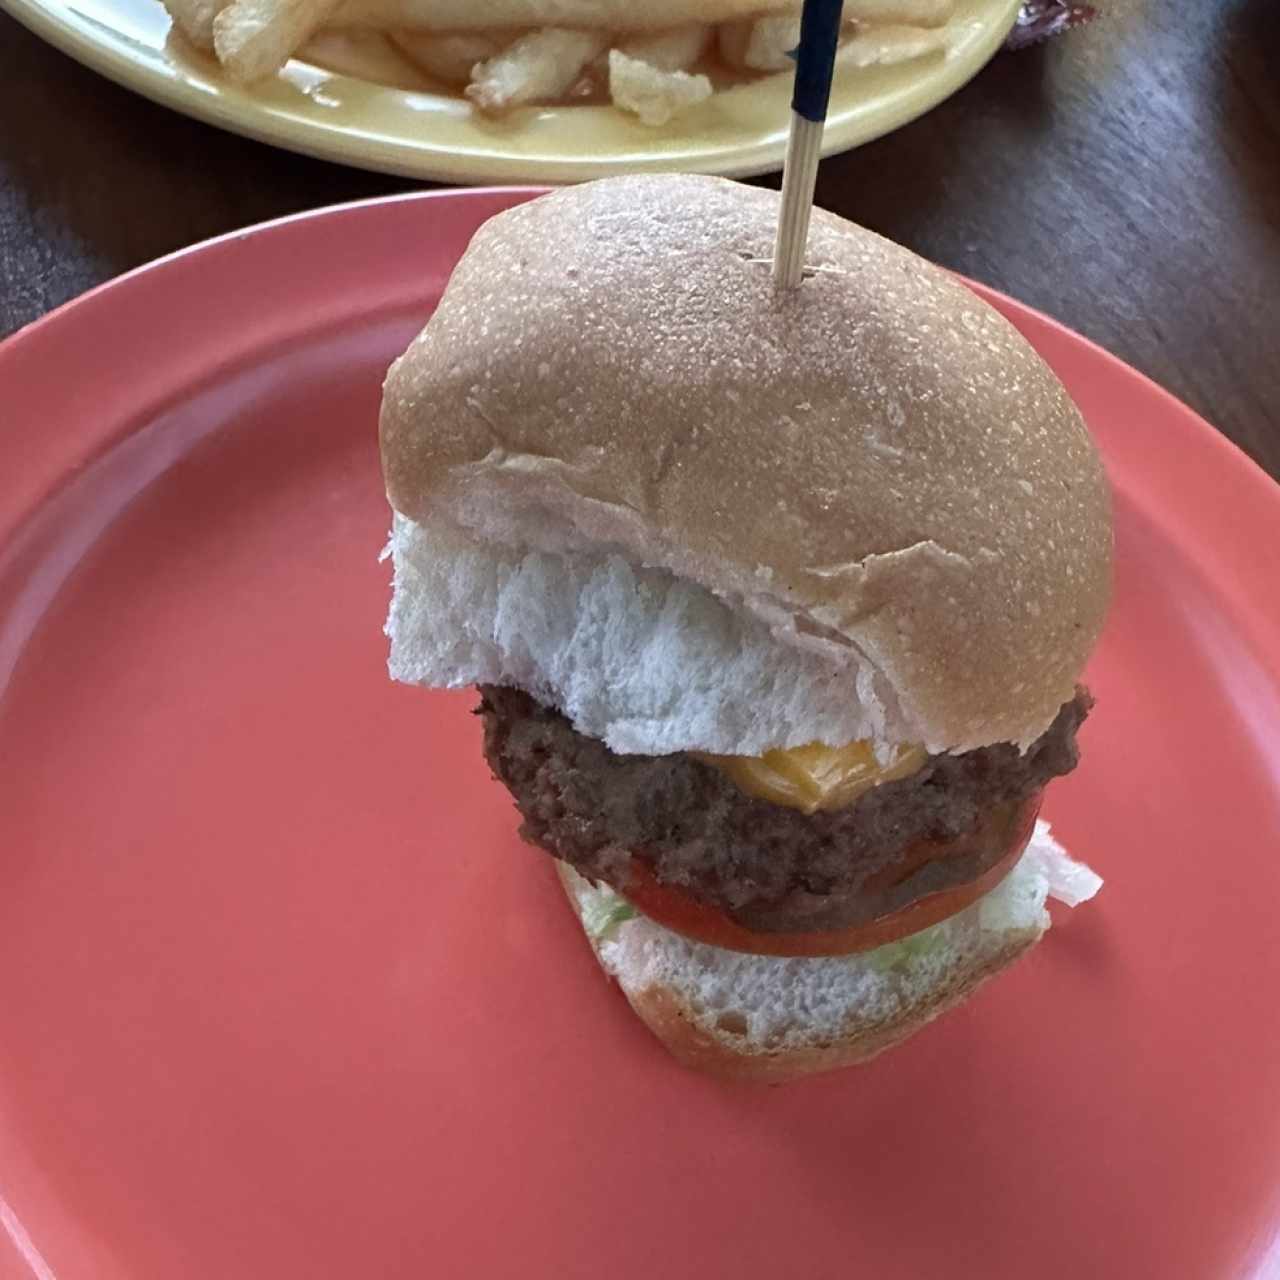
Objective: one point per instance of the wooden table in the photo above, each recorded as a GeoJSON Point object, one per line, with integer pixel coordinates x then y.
{"type": "Point", "coordinates": [1124, 178]}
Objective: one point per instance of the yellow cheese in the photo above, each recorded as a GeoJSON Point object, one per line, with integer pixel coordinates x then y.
{"type": "Point", "coordinates": [816, 777]}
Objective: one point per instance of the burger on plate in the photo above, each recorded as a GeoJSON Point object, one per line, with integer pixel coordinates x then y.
{"type": "Point", "coordinates": [777, 603]}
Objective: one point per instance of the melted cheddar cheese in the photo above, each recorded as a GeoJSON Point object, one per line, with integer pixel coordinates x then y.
{"type": "Point", "coordinates": [816, 777]}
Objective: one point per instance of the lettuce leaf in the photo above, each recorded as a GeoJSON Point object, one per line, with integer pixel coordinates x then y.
{"type": "Point", "coordinates": [604, 912]}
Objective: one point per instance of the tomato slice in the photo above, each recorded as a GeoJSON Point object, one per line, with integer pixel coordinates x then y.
{"type": "Point", "coordinates": [675, 910]}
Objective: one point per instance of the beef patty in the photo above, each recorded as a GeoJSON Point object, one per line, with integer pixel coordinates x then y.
{"type": "Point", "coordinates": [770, 867]}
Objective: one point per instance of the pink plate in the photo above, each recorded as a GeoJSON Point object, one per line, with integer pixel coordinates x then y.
{"type": "Point", "coordinates": [282, 995]}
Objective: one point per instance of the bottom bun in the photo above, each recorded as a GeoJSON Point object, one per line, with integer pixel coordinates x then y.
{"type": "Point", "coordinates": [773, 1019]}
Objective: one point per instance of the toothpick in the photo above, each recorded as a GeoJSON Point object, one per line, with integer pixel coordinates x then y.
{"type": "Point", "coordinates": [815, 64]}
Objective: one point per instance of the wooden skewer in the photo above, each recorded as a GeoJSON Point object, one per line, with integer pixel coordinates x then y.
{"type": "Point", "coordinates": [815, 64]}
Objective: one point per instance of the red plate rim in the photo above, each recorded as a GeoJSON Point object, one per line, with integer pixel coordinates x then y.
{"type": "Point", "coordinates": [132, 314]}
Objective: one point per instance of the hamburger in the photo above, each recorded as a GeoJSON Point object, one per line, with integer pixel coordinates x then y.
{"type": "Point", "coordinates": [777, 603]}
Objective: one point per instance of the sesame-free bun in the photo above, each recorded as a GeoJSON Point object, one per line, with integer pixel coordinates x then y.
{"type": "Point", "coordinates": [772, 1018]}
{"type": "Point", "coordinates": [875, 470]}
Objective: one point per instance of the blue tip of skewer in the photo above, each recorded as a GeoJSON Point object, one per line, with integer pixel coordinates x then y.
{"type": "Point", "coordinates": [816, 57]}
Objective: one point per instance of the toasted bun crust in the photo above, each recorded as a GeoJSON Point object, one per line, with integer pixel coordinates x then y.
{"type": "Point", "coordinates": [668, 1014]}
{"type": "Point", "coordinates": [663, 1012]}
{"type": "Point", "coordinates": [877, 460]}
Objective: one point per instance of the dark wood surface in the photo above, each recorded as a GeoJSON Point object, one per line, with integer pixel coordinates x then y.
{"type": "Point", "coordinates": [1124, 178]}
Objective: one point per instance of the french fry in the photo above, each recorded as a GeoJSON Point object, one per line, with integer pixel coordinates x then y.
{"type": "Point", "coordinates": [449, 58]}
{"type": "Point", "coordinates": [731, 43]}
{"type": "Point", "coordinates": [628, 17]}
{"type": "Point", "coordinates": [363, 55]}
{"type": "Point", "coordinates": [883, 46]}
{"type": "Point", "coordinates": [650, 92]}
{"type": "Point", "coordinates": [644, 51]}
{"type": "Point", "coordinates": [906, 13]}
{"type": "Point", "coordinates": [255, 38]}
{"type": "Point", "coordinates": [770, 43]}
{"type": "Point", "coordinates": [194, 18]}
{"type": "Point", "coordinates": [544, 64]}
{"type": "Point", "coordinates": [674, 50]}
{"type": "Point", "coordinates": [765, 43]}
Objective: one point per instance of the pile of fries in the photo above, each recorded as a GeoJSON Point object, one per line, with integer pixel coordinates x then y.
{"type": "Point", "coordinates": [639, 54]}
